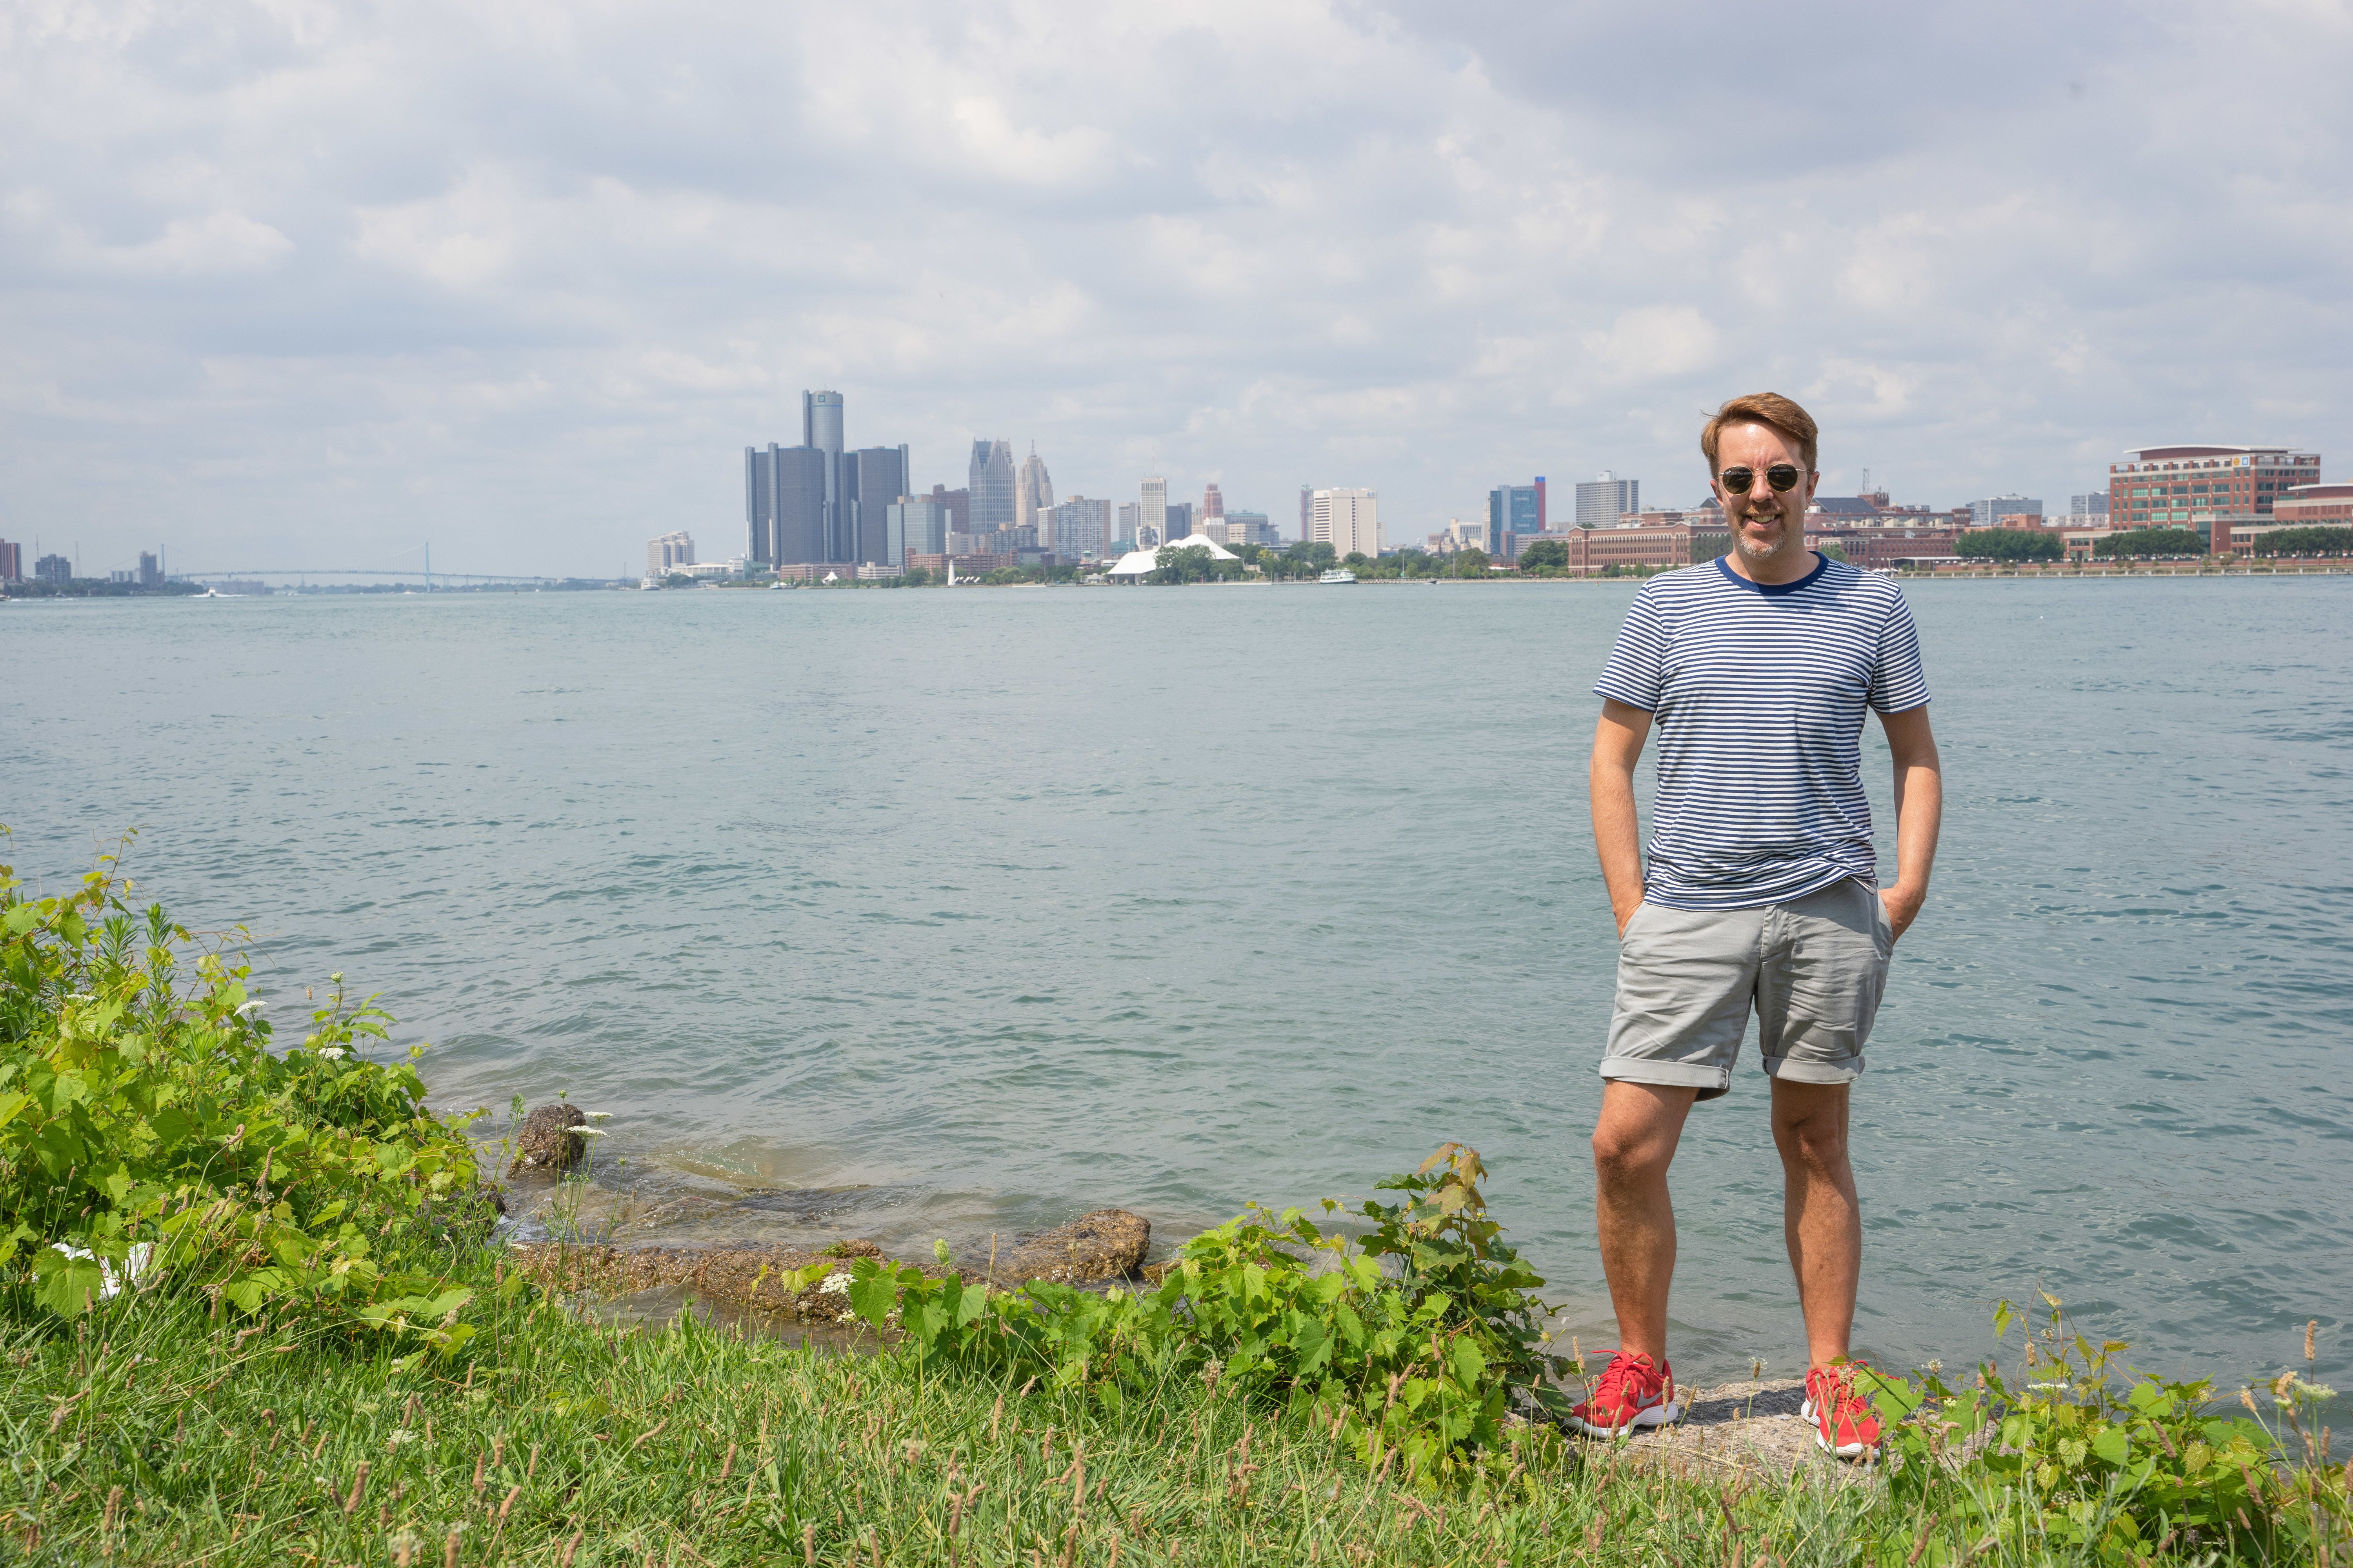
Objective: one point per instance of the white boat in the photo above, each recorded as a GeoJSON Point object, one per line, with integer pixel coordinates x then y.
{"type": "Point", "coordinates": [1337, 574]}
{"type": "Point", "coordinates": [647, 585]}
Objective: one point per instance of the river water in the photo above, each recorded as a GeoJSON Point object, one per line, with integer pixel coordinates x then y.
{"type": "Point", "coordinates": [952, 914]}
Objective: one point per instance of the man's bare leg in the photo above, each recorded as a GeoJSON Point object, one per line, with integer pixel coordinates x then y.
{"type": "Point", "coordinates": [1821, 1215]}
{"type": "Point", "coordinates": [1633, 1144]}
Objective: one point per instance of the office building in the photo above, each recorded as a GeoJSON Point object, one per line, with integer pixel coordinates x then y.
{"type": "Point", "coordinates": [1152, 520]}
{"type": "Point", "coordinates": [872, 479]}
{"type": "Point", "coordinates": [1349, 520]}
{"type": "Point", "coordinates": [2315, 506]}
{"type": "Point", "coordinates": [1176, 523]}
{"type": "Point", "coordinates": [1131, 518]}
{"type": "Point", "coordinates": [1033, 493]}
{"type": "Point", "coordinates": [1306, 514]}
{"type": "Point", "coordinates": [53, 569]}
{"type": "Point", "coordinates": [669, 550]}
{"type": "Point", "coordinates": [151, 569]}
{"type": "Point", "coordinates": [1246, 528]}
{"type": "Point", "coordinates": [2092, 505]}
{"type": "Point", "coordinates": [1606, 498]}
{"type": "Point", "coordinates": [798, 484]}
{"type": "Point", "coordinates": [990, 481]}
{"type": "Point", "coordinates": [1989, 513]}
{"type": "Point", "coordinates": [916, 525]}
{"type": "Point", "coordinates": [959, 506]}
{"type": "Point", "coordinates": [1515, 508]}
{"type": "Point", "coordinates": [1213, 504]}
{"type": "Point", "coordinates": [2168, 486]}
{"type": "Point", "coordinates": [1077, 530]}
{"type": "Point", "coordinates": [822, 420]}
{"type": "Point", "coordinates": [12, 562]}
{"type": "Point", "coordinates": [760, 501]}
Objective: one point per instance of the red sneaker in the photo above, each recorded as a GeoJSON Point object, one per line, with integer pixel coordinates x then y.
{"type": "Point", "coordinates": [1635, 1392]}
{"type": "Point", "coordinates": [1844, 1421]}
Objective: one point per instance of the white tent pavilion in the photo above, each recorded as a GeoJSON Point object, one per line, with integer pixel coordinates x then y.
{"type": "Point", "coordinates": [1136, 563]}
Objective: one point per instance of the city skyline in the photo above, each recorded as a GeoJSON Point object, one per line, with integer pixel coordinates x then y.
{"type": "Point", "coordinates": [1425, 249]}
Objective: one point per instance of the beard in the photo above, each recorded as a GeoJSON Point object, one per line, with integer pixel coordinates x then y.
{"type": "Point", "coordinates": [1780, 546]}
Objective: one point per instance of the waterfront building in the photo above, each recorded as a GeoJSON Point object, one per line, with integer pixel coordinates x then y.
{"type": "Point", "coordinates": [1349, 520]}
{"type": "Point", "coordinates": [1213, 504]}
{"type": "Point", "coordinates": [1131, 517]}
{"type": "Point", "coordinates": [2315, 506]}
{"type": "Point", "coordinates": [2166, 486]}
{"type": "Point", "coordinates": [917, 525]}
{"type": "Point", "coordinates": [53, 569]}
{"type": "Point", "coordinates": [667, 552]}
{"type": "Point", "coordinates": [968, 564]}
{"type": "Point", "coordinates": [1606, 498]}
{"type": "Point", "coordinates": [1306, 514]}
{"type": "Point", "coordinates": [151, 569]}
{"type": "Point", "coordinates": [991, 482]}
{"type": "Point", "coordinates": [1514, 508]}
{"type": "Point", "coordinates": [873, 478]}
{"type": "Point", "coordinates": [1876, 547]}
{"type": "Point", "coordinates": [1078, 529]}
{"type": "Point", "coordinates": [2092, 505]}
{"type": "Point", "coordinates": [1152, 521]}
{"type": "Point", "coordinates": [1033, 494]}
{"type": "Point", "coordinates": [798, 484]}
{"type": "Point", "coordinates": [12, 562]}
{"type": "Point", "coordinates": [1592, 548]}
{"type": "Point", "coordinates": [1989, 513]}
{"type": "Point", "coordinates": [1132, 565]}
{"type": "Point", "coordinates": [1177, 522]}
{"type": "Point", "coordinates": [1239, 528]}
{"type": "Point", "coordinates": [823, 415]}
{"type": "Point", "coordinates": [760, 500]}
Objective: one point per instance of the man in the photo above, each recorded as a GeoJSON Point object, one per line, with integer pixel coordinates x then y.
{"type": "Point", "coordinates": [1760, 892]}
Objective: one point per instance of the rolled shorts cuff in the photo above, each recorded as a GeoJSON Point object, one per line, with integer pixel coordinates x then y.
{"type": "Point", "coordinates": [1711, 1081]}
{"type": "Point", "coordinates": [1797, 1069]}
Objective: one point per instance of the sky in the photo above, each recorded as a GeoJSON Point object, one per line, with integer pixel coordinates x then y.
{"type": "Point", "coordinates": [296, 284]}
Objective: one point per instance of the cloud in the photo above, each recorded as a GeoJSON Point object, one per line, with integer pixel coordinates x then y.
{"type": "Point", "coordinates": [552, 265]}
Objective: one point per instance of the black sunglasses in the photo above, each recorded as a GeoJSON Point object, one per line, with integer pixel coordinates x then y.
{"type": "Point", "coordinates": [1781, 476]}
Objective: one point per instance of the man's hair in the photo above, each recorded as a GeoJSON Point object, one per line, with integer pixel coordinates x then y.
{"type": "Point", "coordinates": [1763, 408]}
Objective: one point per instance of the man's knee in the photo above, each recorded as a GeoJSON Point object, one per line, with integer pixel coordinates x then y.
{"type": "Point", "coordinates": [1814, 1139]}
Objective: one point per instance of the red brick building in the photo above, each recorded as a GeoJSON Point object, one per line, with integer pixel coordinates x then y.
{"type": "Point", "coordinates": [2166, 487]}
{"type": "Point", "coordinates": [2315, 506]}
{"type": "Point", "coordinates": [1659, 545]}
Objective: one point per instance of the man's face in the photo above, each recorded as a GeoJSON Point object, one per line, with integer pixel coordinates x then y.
{"type": "Point", "coordinates": [1767, 524]}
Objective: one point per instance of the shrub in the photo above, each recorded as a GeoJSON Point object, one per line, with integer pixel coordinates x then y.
{"type": "Point", "coordinates": [151, 1138]}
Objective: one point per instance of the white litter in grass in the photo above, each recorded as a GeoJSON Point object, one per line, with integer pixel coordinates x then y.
{"type": "Point", "coordinates": [110, 1284]}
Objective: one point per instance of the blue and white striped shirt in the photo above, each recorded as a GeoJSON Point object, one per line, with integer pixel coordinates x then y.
{"type": "Point", "coordinates": [1757, 694]}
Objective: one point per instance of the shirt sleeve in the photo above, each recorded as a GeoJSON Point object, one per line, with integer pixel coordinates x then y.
{"type": "Point", "coordinates": [1897, 682]}
{"type": "Point", "coordinates": [1635, 672]}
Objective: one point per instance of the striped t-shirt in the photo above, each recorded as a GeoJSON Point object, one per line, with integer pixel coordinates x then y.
{"type": "Point", "coordinates": [1757, 694]}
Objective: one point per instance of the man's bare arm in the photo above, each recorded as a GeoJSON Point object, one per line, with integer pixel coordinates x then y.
{"type": "Point", "coordinates": [1617, 834]}
{"type": "Point", "coordinates": [1919, 812]}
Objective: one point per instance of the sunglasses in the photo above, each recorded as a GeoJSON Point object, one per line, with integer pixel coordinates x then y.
{"type": "Point", "coordinates": [1781, 476]}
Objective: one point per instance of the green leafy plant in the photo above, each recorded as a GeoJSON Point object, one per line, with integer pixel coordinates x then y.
{"type": "Point", "coordinates": [1418, 1366]}
{"type": "Point", "coordinates": [2058, 1453]}
{"type": "Point", "coordinates": [152, 1138]}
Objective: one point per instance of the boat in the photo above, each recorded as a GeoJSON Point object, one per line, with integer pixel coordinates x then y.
{"type": "Point", "coordinates": [1337, 574]}
{"type": "Point", "coordinates": [647, 585]}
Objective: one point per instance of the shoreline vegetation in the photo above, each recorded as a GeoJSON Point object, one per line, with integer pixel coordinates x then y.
{"type": "Point", "coordinates": [258, 1310]}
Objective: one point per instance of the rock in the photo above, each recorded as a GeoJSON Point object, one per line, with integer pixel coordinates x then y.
{"type": "Point", "coordinates": [1108, 1244]}
{"type": "Point", "coordinates": [547, 1142]}
{"type": "Point", "coordinates": [745, 1276]}
{"type": "Point", "coordinates": [1748, 1430]}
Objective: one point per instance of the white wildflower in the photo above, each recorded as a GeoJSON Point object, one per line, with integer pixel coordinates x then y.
{"type": "Point", "coordinates": [399, 1435]}
{"type": "Point", "coordinates": [836, 1284]}
{"type": "Point", "coordinates": [247, 1009]}
{"type": "Point", "coordinates": [600, 1116]}
{"type": "Point", "coordinates": [334, 1053]}
{"type": "Point", "coordinates": [590, 1131]}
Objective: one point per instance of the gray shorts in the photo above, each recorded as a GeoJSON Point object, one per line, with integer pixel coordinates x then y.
{"type": "Point", "coordinates": [1813, 968]}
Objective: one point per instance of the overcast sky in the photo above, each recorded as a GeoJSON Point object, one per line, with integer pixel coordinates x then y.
{"type": "Point", "coordinates": [302, 284]}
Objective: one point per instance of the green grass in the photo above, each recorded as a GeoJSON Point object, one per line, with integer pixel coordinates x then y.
{"type": "Point", "coordinates": [147, 1432]}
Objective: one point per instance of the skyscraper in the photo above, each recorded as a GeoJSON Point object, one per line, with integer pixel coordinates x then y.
{"type": "Point", "coordinates": [760, 502]}
{"type": "Point", "coordinates": [1349, 520]}
{"type": "Point", "coordinates": [919, 525]}
{"type": "Point", "coordinates": [1178, 523]}
{"type": "Point", "coordinates": [1213, 505]}
{"type": "Point", "coordinates": [873, 478]}
{"type": "Point", "coordinates": [797, 483]}
{"type": "Point", "coordinates": [1131, 517]}
{"type": "Point", "coordinates": [1514, 508]}
{"type": "Point", "coordinates": [821, 428]}
{"type": "Point", "coordinates": [1152, 520]}
{"type": "Point", "coordinates": [1080, 528]}
{"type": "Point", "coordinates": [1602, 500]}
{"type": "Point", "coordinates": [1033, 497]}
{"type": "Point", "coordinates": [1306, 514]}
{"type": "Point", "coordinates": [991, 484]}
